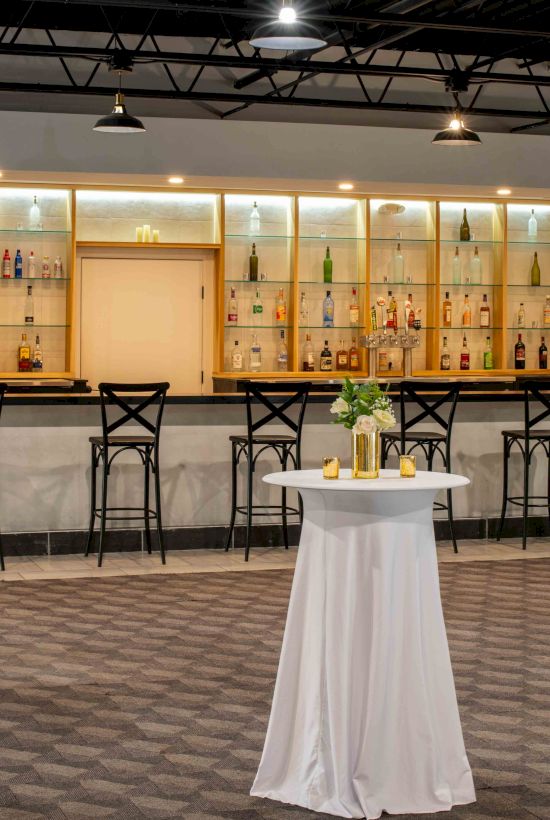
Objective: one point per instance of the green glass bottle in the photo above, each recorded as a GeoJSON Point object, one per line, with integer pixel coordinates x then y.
{"type": "Point", "coordinates": [327, 267]}
{"type": "Point", "coordinates": [535, 271]}
{"type": "Point", "coordinates": [488, 355]}
{"type": "Point", "coordinates": [464, 229]}
{"type": "Point", "coordinates": [253, 265]}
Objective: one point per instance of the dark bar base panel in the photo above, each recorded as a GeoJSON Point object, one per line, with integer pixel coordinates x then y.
{"type": "Point", "coordinates": [263, 536]}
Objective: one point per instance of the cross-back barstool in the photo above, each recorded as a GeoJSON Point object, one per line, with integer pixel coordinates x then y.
{"type": "Point", "coordinates": [3, 390]}
{"type": "Point", "coordinates": [438, 404]}
{"type": "Point", "coordinates": [536, 408]}
{"type": "Point", "coordinates": [105, 448]}
{"type": "Point", "coordinates": [253, 444]}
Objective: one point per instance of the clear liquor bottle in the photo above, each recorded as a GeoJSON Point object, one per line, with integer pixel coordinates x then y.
{"type": "Point", "coordinates": [257, 309]}
{"type": "Point", "coordinates": [255, 355]}
{"type": "Point", "coordinates": [328, 310]}
{"type": "Point", "coordinates": [18, 265]}
{"type": "Point", "coordinates": [465, 355]}
{"type": "Point", "coordinates": [304, 309]}
{"type": "Point", "coordinates": [280, 308]}
{"type": "Point", "coordinates": [232, 308]}
{"type": "Point", "coordinates": [308, 357]}
{"type": "Point", "coordinates": [236, 358]}
{"type": "Point", "coordinates": [34, 215]}
{"type": "Point", "coordinates": [466, 313]}
{"type": "Point", "coordinates": [445, 359]}
{"type": "Point", "coordinates": [282, 354]}
{"type": "Point", "coordinates": [354, 308]}
{"type": "Point", "coordinates": [484, 313]}
{"type": "Point", "coordinates": [532, 226]}
{"type": "Point", "coordinates": [488, 355]}
{"type": "Point", "coordinates": [475, 268]}
{"type": "Point", "coordinates": [46, 270]}
{"type": "Point", "coordinates": [447, 311]}
{"type": "Point", "coordinates": [254, 224]}
{"type": "Point", "coordinates": [521, 315]}
{"type": "Point", "coordinates": [37, 358]}
{"type": "Point", "coordinates": [398, 265]}
{"type": "Point", "coordinates": [455, 268]}
{"type": "Point", "coordinates": [29, 307]}
{"type": "Point", "coordinates": [31, 265]}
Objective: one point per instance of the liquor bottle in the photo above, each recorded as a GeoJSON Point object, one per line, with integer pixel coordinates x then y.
{"type": "Point", "coordinates": [411, 314]}
{"type": "Point", "coordinates": [342, 357]}
{"type": "Point", "coordinates": [29, 307]}
{"type": "Point", "coordinates": [398, 265]}
{"type": "Point", "coordinates": [58, 268]}
{"type": "Point", "coordinates": [46, 271]}
{"type": "Point", "coordinates": [24, 355]}
{"type": "Point", "coordinates": [445, 361]}
{"type": "Point", "coordinates": [282, 354]}
{"type": "Point", "coordinates": [354, 308]}
{"type": "Point", "coordinates": [255, 355]}
{"type": "Point", "coordinates": [532, 226]}
{"type": "Point", "coordinates": [37, 359]}
{"type": "Point", "coordinates": [353, 356]}
{"type": "Point", "coordinates": [464, 228]}
{"type": "Point", "coordinates": [546, 313]}
{"type": "Point", "coordinates": [535, 271]}
{"type": "Point", "coordinates": [236, 358]}
{"type": "Point", "coordinates": [543, 355]}
{"type": "Point", "coordinates": [304, 309]}
{"type": "Point", "coordinates": [18, 264]}
{"type": "Point", "coordinates": [6, 265]}
{"type": "Point", "coordinates": [327, 268]}
{"type": "Point", "coordinates": [34, 215]}
{"type": "Point", "coordinates": [484, 313]}
{"type": "Point", "coordinates": [326, 357]}
{"type": "Point", "coordinates": [232, 309]}
{"type": "Point", "coordinates": [257, 309]}
{"type": "Point", "coordinates": [488, 355]}
{"type": "Point", "coordinates": [392, 320]}
{"type": "Point", "coordinates": [31, 265]}
{"type": "Point", "coordinates": [280, 308]}
{"type": "Point", "coordinates": [475, 268]}
{"type": "Point", "coordinates": [254, 227]}
{"type": "Point", "coordinates": [447, 311]}
{"type": "Point", "coordinates": [521, 315]}
{"type": "Point", "coordinates": [308, 359]}
{"type": "Point", "coordinates": [519, 354]}
{"type": "Point", "coordinates": [465, 355]}
{"type": "Point", "coordinates": [328, 310]}
{"type": "Point", "coordinates": [253, 265]}
{"type": "Point", "coordinates": [456, 273]}
{"type": "Point", "coordinates": [466, 313]}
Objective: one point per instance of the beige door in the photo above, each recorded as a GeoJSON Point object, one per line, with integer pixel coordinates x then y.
{"type": "Point", "coordinates": [141, 320]}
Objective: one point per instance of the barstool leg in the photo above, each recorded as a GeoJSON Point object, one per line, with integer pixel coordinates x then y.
{"type": "Point", "coordinates": [526, 460]}
{"type": "Point", "coordinates": [2, 565]}
{"type": "Point", "coordinates": [506, 455]}
{"type": "Point", "coordinates": [146, 503]}
{"type": "Point", "coordinates": [93, 484]}
{"type": "Point", "coordinates": [234, 465]}
{"type": "Point", "coordinates": [158, 509]}
{"type": "Point", "coordinates": [447, 465]}
{"type": "Point", "coordinates": [249, 497]}
{"type": "Point", "coordinates": [103, 507]}
{"type": "Point", "coordinates": [283, 501]}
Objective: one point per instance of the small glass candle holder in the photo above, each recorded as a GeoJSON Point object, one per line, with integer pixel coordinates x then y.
{"type": "Point", "coordinates": [146, 233]}
{"type": "Point", "coordinates": [139, 234]}
{"type": "Point", "coordinates": [407, 466]}
{"type": "Point", "coordinates": [156, 235]}
{"type": "Point", "coordinates": [331, 467]}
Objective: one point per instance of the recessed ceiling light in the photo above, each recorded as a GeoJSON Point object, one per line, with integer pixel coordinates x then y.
{"type": "Point", "coordinates": [175, 180]}
{"type": "Point", "coordinates": [346, 186]}
{"type": "Point", "coordinates": [504, 191]}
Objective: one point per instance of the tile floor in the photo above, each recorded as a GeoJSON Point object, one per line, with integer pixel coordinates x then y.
{"type": "Point", "coordinates": [136, 563]}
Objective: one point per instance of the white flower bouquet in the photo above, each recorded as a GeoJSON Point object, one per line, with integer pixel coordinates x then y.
{"type": "Point", "coordinates": [363, 408]}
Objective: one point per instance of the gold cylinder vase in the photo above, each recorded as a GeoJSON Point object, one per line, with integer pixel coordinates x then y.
{"type": "Point", "coordinates": [365, 461]}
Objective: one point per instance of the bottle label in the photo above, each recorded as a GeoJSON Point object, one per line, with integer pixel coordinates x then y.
{"type": "Point", "coordinates": [445, 361]}
{"type": "Point", "coordinates": [354, 314]}
{"type": "Point", "coordinates": [488, 360]}
{"type": "Point", "coordinates": [342, 360]}
{"type": "Point", "coordinates": [326, 362]}
{"type": "Point", "coordinates": [29, 320]}
{"type": "Point", "coordinates": [280, 313]}
{"type": "Point", "coordinates": [520, 354]}
{"type": "Point", "coordinates": [282, 359]}
{"type": "Point", "coordinates": [37, 364]}
{"type": "Point", "coordinates": [547, 316]}
{"type": "Point", "coordinates": [354, 361]}
{"type": "Point", "coordinates": [232, 317]}
{"type": "Point", "coordinates": [447, 316]}
{"type": "Point", "coordinates": [257, 309]}
{"type": "Point", "coordinates": [484, 318]}
{"type": "Point", "coordinates": [464, 361]}
{"type": "Point", "coordinates": [543, 360]}
{"type": "Point", "coordinates": [466, 319]}
{"type": "Point", "coordinates": [237, 361]}
{"type": "Point", "coordinates": [410, 320]}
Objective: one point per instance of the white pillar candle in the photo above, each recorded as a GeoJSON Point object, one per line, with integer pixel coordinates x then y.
{"type": "Point", "coordinates": [146, 233]}
{"type": "Point", "coordinates": [139, 234]}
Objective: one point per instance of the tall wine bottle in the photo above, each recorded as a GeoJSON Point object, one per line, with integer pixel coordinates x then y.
{"type": "Point", "coordinates": [535, 271]}
{"type": "Point", "coordinates": [464, 228]}
{"type": "Point", "coordinates": [253, 265]}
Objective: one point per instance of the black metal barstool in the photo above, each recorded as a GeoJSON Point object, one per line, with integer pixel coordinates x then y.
{"type": "Point", "coordinates": [432, 443]}
{"type": "Point", "coordinates": [527, 440]}
{"type": "Point", "coordinates": [3, 389]}
{"type": "Point", "coordinates": [106, 448]}
{"type": "Point", "coordinates": [252, 445]}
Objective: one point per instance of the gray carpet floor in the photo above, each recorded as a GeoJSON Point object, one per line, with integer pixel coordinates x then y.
{"type": "Point", "coordinates": [148, 696]}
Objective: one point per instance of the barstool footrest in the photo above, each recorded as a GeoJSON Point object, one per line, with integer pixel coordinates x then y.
{"type": "Point", "coordinates": [518, 500]}
{"type": "Point", "coordinates": [146, 514]}
{"type": "Point", "coordinates": [289, 510]}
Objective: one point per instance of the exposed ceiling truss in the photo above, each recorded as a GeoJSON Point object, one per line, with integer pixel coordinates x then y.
{"type": "Point", "coordinates": [402, 57]}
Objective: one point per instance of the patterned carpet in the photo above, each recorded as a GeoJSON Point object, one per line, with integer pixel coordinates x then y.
{"type": "Point", "coordinates": [148, 697]}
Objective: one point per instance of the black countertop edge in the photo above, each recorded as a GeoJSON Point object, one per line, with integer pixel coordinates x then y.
{"type": "Point", "coordinates": [73, 400]}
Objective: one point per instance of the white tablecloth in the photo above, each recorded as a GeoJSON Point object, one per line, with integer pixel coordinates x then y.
{"type": "Point", "coordinates": [364, 716]}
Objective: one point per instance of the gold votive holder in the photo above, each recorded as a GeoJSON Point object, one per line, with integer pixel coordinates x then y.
{"type": "Point", "coordinates": [407, 466]}
{"type": "Point", "coordinates": [331, 467]}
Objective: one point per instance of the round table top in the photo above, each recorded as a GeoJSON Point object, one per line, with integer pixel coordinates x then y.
{"type": "Point", "coordinates": [389, 480]}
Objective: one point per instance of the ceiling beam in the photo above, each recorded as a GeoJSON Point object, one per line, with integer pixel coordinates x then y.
{"type": "Point", "coordinates": [257, 99]}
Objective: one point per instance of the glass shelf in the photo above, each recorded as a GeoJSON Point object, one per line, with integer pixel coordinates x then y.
{"type": "Point", "coordinates": [403, 284]}
{"type": "Point", "coordinates": [33, 232]}
{"type": "Point", "coordinates": [465, 285]}
{"type": "Point", "coordinates": [328, 285]}
{"type": "Point", "coordinates": [468, 329]}
{"type": "Point", "coordinates": [329, 239]}
{"type": "Point", "coordinates": [34, 279]}
{"type": "Point", "coordinates": [30, 327]}
{"type": "Point", "coordinates": [472, 242]}
{"type": "Point", "coordinates": [257, 327]}
{"type": "Point", "coordinates": [405, 241]}
{"type": "Point", "coordinates": [334, 327]}
{"type": "Point", "coordinates": [538, 287]}
{"type": "Point", "coordinates": [261, 281]}
{"type": "Point", "coordinates": [253, 237]}
{"type": "Point", "coordinates": [525, 329]}
{"type": "Point", "coordinates": [531, 242]}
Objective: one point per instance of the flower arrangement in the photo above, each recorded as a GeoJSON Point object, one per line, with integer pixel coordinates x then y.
{"type": "Point", "coordinates": [363, 408]}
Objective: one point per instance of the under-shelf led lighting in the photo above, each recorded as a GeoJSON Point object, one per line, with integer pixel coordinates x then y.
{"type": "Point", "coordinates": [504, 191]}
{"type": "Point", "coordinates": [175, 180]}
{"type": "Point", "coordinates": [346, 186]}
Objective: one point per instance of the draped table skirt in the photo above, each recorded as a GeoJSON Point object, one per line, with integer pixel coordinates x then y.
{"type": "Point", "coordinates": [364, 716]}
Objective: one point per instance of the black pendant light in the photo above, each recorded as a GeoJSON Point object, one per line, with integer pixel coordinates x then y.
{"type": "Point", "coordinates": [287, 33]}
{"type": "Point", "coordinates": [456, 133]}
{"type": "Point", "coordinates": [119, 121]}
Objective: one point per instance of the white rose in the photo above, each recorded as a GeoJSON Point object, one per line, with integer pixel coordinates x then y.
{"type": "Point", "coordinates": [384, 419]}
{"type": "Point", "coordinates": [339, 406]}
{"type": "Point", "coordinates": [364, 424]}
